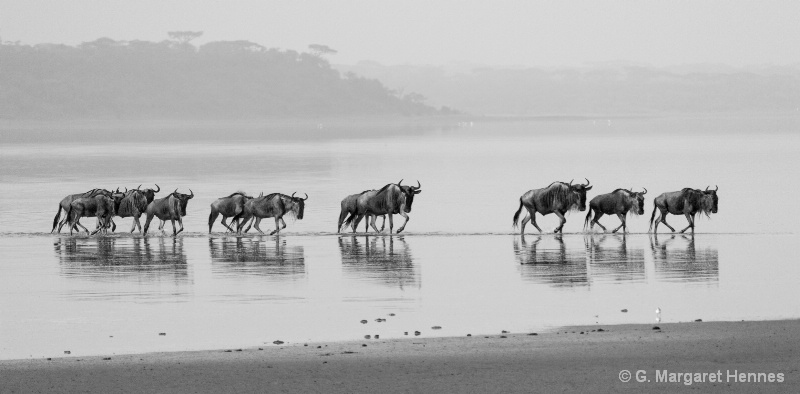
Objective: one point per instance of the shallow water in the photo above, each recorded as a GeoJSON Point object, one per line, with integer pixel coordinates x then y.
{"type": "Point", "coordinates": [458, 266]}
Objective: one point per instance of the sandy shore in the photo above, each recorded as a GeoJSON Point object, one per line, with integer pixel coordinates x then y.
{"type": "Point", "coordinates": [516, 362]}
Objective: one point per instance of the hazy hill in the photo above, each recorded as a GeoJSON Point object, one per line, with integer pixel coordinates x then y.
{"type": "Point", "coordinates": [595, 89]}
{"type": "Point", "coordinates": [174, 79]}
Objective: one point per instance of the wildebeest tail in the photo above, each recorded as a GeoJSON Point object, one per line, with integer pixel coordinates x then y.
{"type": "Point", "coordinates": [55, 220]}
{"type": "Point", "coordinates": [588, 217]}
{"type": "Point", "coordinates": [516, 214]}
{"type": "Point", "coordinates": [342, 215]}
{"type": "Point", "coordinates": [653, 215]}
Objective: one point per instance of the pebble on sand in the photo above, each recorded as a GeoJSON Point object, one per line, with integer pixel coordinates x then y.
{"type": "Point", "coordinates": [504, 332]}
{"type": "Point", "coordinates": [67, 352]}
{"type": "Point", "coordinates": [656, 327]}
{"type": "Point", "coordinates": [624, 310]}
{"type": "Point", "coordinates": [391, 314]}
{"type": "Point", "coordinates": [698, 320]}
{"type": "Point", "coordinates": [436, 328]}
{"type": "Point", "coordinates": [367, 336]}
{"type": "Point", "coordinates": [364, 322]}
{"type": "Point", "coordinates": [417, 333]}
{"type": "Point", "coordinates": [162, 333]}
{"type": "Point", "coordinates": [278, 342]}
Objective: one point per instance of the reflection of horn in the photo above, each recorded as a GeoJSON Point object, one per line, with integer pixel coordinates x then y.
{"type": "Point", "coordinates": [398, 183]}
{"type": "Point", "coordinates": [159, 188]}
{"type": "Point", "coordinates": [306, 196]}
{"type": "Point", "coordinates": [645, 190]}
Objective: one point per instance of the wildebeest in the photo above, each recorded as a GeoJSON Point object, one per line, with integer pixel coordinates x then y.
{"type": "Point", "coordinates": [389, 200]}
{"type": "Point", "coordinates": [557, 198]}
{"type": "Point", "coordinates": [274, 205]}
{"type": "Point", "coordinates": [171, 207]}
{"type": "Point", "coordinates": [149, 195]}
{"type": "Point", "coordinates": [66, 201]}
{"type": "Point", "coordinates": [350, 207]}
{"type": "Point", "coordinates": [229, 206]}
{"type": "Point", "coordinates": [685, 202]}
{"type": "Point", "coordinates": [131, 203]}
{"type": "Point", "coordinates": [100, 206]}
{"type": "Point", "coordinates": [620, 202]}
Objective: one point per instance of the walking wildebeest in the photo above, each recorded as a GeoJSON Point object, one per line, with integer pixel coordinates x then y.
{"type": "Point", "coordinates": [389, 200]}
{"type": "Point", "coordinates": [66, 201]}
{"type": "Point", "coordinates": [131, 203]}
{"type": "Point", "coordinates": [229, 206]}
{"type": "Point", "coordinates": [149, 195]}
{"type": "Point", "coordinates": [619, 202]}
{"type": "Point", "coordinates": [100, 206]}
{"type": "Point", "coordinates": [171, 207]}
{"type": "Point", "coordinates": [686, 202]}
{"type": "Point", "coordinates": [557, 198]}
{"type": "Point", "coordinates": [273, 205]}
{"type": "Point", "coordinates": [350, 207]}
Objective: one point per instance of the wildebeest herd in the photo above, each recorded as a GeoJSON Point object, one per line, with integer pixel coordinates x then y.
{"type": "Point", "coordinates": [392, 199]}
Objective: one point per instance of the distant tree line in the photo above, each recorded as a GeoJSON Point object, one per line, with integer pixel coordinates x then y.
{"type": "Point", "coordinates": [601, 89]}
{"type": "Point", "coordinates": [170, 79]}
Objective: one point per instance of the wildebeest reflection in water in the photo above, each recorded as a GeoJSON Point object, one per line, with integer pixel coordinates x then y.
{"type": "Point", "coordinates": [107, 257]}
{"type": "Point", "coordinates": [547, 260]}
{"type": "Point", "coordinates": [611, 258]}
{"type": "Point", "coordinates": [385, 260]}
{"type": "Point", "coordinates": [257, 256]}
{"type": "Point", "coordinates": [676, 258]}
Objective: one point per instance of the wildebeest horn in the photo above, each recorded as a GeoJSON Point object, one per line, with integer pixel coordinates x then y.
{"type": "Point", "coordinates": [398, 183]}
{"type": "Point", "coordinates": [190, 191]}
{"type": "Point", "coordinates": [707, 187]}
{"type": "Point", "coordinates": [159, 188]}
{"type": "Point", "coordinates": [419, 186]}
{"type": "Point", "coordinates": [306, 196]}
{"type": "Point", "coordinates": [587, 182]}
{"type": "Point", "coordinates": [716, 187]}
{"type": "Point", "coordinates": [137, 187]}
{"type": "Point", "coordinates": [176, 190]}
{"type": "Point", "coordinates": [262, 194]}
{"type": "Point", "coordinates": [293, 194]}
{"type": "Point", "coordinates": [126, 189]}
{"type": "Point", "coordinates": [645, 190]}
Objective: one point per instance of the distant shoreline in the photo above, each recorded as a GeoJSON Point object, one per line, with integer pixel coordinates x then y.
{"type": "Point", "coordinates": [581, 358]}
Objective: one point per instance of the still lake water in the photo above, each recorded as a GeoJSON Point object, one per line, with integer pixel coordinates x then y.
{"type": "Point", "coordinates": [458, 265]}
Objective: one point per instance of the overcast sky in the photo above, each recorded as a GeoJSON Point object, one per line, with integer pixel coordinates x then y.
{"type": "Point", "coordinates": [519, 32]}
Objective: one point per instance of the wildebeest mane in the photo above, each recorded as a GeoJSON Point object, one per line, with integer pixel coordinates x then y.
{"type": "Point", "coordinates": [384, 200]}
{"type": "Point", "coordinates": [134, 201]}
{"type": "Point", "coordinates": [623, 190]}
{"type": "Point", "coordinates": [559, 194]}
{"type": "Point", "coordinates": [243, 194]}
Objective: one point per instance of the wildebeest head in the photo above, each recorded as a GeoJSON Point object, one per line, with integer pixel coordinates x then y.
{"type": "Point", "coordinates": [117, 197]}
{"type": "Point", "coordinates": [298, 205]}
{"type": "Point", "coordinates": [184, 199]}
{"type": "Point", "coordinates": [710, 199]}
{"type": "Point", "coordinates": [637, 201]}
{"type": "Point", "coordinates": [409, 192]}
{"type": "Point", "coordinates": [150, 194]}
{"type": "Point", "coordinates": [579, 191]}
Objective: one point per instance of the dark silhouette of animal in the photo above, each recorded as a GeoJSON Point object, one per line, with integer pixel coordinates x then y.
{"type": "Point", "coordinates": [229, 206]}
{"type": "Point", "coordinates": [171, 207]}
{"type": "Point", "coordinates": [149, 195]}
{"type": "Point", "coordinates": [274, 205]}
{"type": "Point", "coordinates": [389, 200]}
{"type": "Point", "coordinates": [65, 203]}
{"type": "Point", "coordinates": [687, 202]}
{"type": "Point", "coordinates": [99, 206]}
{"type": "Point", "coordinates": [350, 207]}
{"type": "Point", "coordinates": [620, 202]}
{"type": "Point", "coordinates": [557, 198]}
{"type": "Point", "coordinates": [130, 203]}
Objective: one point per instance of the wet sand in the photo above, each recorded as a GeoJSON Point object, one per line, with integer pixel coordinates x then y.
{"type": "Point", "coordinates": [563, 360]}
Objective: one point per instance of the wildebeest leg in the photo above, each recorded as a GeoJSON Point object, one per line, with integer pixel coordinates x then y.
{"type": "Point", "coordinates": [561, 217]}
{"type": "Point", "coordinates": [357, 221]}
{"type": "Point", "coordinates": [78, 223]}
{"type": "Point", "coordinates": [226, 224]}
{"type": "Point", "coordinates": [136, 224]}
{"type": "Point", "coordinates": [256, 223]}
{"type": "Point", "coordinates": [405, 215]}
{"type": "Point", "coordinates": [180, 222]}
{"type": "Point", "coordinates": [147, 223]}
{"type": "Point", "coordinates": [594, 221]}
{"type": "Point", "coordinates": [663, 219]}
{"type": "Point", "coordinates": [174, 231]}
{"type": "Point", "coordinates": [383, 223]}
{"type": "Point", "coordinates": [278, 219]}
{"type": "Point", "coordinates": [161, 226]}
{"type": "Point", "coordinates": [374, 220]}
{"type": "Point", "coordinates": [391, 222]}
{"type": "Point", "coordinates": [532, 213]}
{"type": "Point", "coordinates": [622, 225]}
{"type": "Point", "coordinates": [690, 218]}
